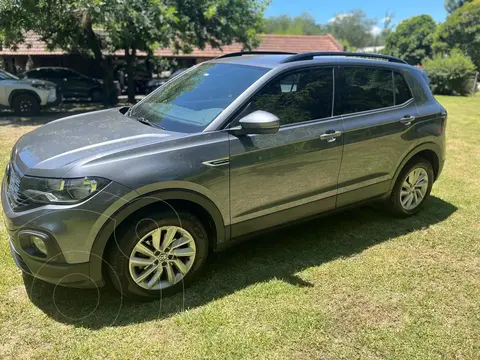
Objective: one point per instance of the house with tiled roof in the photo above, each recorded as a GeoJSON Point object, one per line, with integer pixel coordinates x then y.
{"type": "Point", "coordinates": [34, 51]}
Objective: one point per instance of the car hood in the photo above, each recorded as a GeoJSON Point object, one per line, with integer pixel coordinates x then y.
{"type": "Point", "coordinates": [60, 145]}
{"type": "Point", "coordinates": [35, 81]}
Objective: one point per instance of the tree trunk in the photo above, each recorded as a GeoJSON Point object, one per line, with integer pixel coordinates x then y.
{"type": "Point", "coordinates": [131, 58]}
{"type": "Point", "coordinates": [95, 46]}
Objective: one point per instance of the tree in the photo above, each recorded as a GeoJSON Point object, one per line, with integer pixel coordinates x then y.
{"type": "Point", "coordinates": [387, 28]}
{"type": "Point", "coordinates": [181, 25]}
{"type": "Point", "coordinates": [301, 25]}
{"type": "Point", "coordinates": [450, 74]}
{"type": "Point", "coordinates": [412, 40]}
{"type": "Point", "coordinates": [452, 5]}
{"type": "Point", "coordinates": [100, 27]}
{"type": "Point", "coordinates": [68, 25]}
{"type": "Point", "coordinates": [353, 27]}
{"type": "Point", "coordinates": [461, 30]}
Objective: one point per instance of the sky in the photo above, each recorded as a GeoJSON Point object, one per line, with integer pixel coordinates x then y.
{"type": "Point", "coordinates": [323, 11]}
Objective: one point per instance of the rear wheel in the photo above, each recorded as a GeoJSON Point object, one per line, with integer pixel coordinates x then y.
{"type": "Point", "coordinates": [158, 255]}
{"type": "Point", "coordinates": [412, 188]}
{"type": "Point", "coordinates": [25, 104]}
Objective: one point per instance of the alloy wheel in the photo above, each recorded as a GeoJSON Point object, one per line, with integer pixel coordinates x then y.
{"type": "Point", "coordinates": [25, 106]}
{"type": "Point", "coordinates": [162, 257]}
{"type": "Point", "coordinates": [414, 188]}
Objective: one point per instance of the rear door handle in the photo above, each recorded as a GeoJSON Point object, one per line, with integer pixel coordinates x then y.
{"type": "Point", "coordinates": [330, 135]}
{"type": "Point", "coordinates": [407, 119]}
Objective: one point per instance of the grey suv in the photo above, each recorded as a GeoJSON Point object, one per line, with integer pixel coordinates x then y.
{"type": "Point", "coordinates": [231, 147]}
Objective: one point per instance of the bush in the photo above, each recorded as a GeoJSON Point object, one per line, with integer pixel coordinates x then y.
{"type": "Point", "coordinates": [450, 75]}
{"type": "Point", "coordinates": [461, 30]}
{"type": "Point", "coordinates": [412, 41]}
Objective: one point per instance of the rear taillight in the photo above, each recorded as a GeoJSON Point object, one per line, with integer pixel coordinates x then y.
{"type": "Point", "coordinates": [443, 123]}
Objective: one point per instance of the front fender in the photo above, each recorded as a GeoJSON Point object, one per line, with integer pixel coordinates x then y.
{"type": "Point", "coordinates": [144, 198]}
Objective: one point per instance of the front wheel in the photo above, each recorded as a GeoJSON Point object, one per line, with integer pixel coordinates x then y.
{"type": "Point", "coordinates": [25, 105]}
{"type": "Point", "coordinates": [412, 188]}
{"type": "Point", "coordinates": [157, 255]}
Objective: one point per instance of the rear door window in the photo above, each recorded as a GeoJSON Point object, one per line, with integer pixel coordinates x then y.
{"type": "Point", "coordinates": [367, 89]}
{"type": "Point", "coordinates": [37, 74]}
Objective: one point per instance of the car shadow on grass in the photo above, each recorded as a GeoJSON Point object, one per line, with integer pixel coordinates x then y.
{"type": "Point", "coordinates": [275, 255]}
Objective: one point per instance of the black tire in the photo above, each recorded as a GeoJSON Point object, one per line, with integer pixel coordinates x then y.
{"type": "Point", "coordinates": [394, 200]}
{"type": "Point", "coordinates": [25, 105]}
{"type": "Point", "coordinates": [128, 236]}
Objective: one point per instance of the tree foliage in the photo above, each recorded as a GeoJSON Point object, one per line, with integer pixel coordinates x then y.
{"type": "Point", "coordinates": [388, 28]}
{"type": "Point", "coordinates": [99, 27]}
{"type": "Point", "coordinates": [450, 75]}
{"type": "Point", "coordinates": [412, 40]}
{"type": "Point", "coordinates": [461, 30]}
{"type": "Point", "coordinates": [354, 27]}
{"type": "Point", "coordinates": [300, 25]}
{"type": "Point", "coordinates": [452, 5]}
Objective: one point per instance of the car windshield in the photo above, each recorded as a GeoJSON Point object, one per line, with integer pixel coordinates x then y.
{"type": "Point", "coordinates": [195, 98]}
{"type": "Point", "coordinates": [7, 76]}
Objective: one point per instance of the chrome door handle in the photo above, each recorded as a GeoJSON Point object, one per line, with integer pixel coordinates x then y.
{"type": "Point", "coordinates": [330, 136]}
{"type": "Point", "coordinates": [407, 120]}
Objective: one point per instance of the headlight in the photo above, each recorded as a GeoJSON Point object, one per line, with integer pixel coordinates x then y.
{"type": "Point", "coordinates": [59, 191]}
{"type": "Point", "coordinates": [43, 86]}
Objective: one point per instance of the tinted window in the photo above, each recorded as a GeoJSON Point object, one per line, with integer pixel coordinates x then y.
{"type": "Point", "coordinates": [36, 74]}
{"type": "Point", "coordinates": [43, 73]}
{"type": "Point", "coordinates": [367, 89]}
{"type": "Point", "coordinates": [63, 73]}
{"type": "Point", "coordinates": [299, 96]}
{"type": "Point", "coordinates": [402, 91]}
{"type": "Point", "coordinates": [194, 98]}
{"type": "Point", "coordinates": [7, 76]}
{"type": "Point", "coordinates": [66, 74]}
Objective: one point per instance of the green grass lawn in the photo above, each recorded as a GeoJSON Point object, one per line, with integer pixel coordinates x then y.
{"type": "Point", "coordinates": [357, 285]}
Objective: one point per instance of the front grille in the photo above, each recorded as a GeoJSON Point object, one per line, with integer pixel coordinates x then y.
{"type": "Point", "coordinates": [14, 197]}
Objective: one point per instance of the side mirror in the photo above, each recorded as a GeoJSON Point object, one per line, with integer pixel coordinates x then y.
{"type": "Point", "coordinates": [257, 122]}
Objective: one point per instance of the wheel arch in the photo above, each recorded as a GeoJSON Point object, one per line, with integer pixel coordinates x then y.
{"type": "Point", "coordinates": [17, 92]}
{"type": "Point", "coordinates": [187, 200]}
{"type": "Point", "coordinates": [429, 151]}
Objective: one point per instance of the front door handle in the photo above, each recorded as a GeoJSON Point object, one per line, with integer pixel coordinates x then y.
{"type": "Point", "coordinates": [407, 119]}
{"type": "Point", "coordinates": [330, 135]}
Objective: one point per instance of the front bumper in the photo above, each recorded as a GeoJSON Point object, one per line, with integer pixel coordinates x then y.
{"type": "Point", "coordinates": [47, 97]}
{"type": "Point", "coordinates": [69, 231]}
{"type": "Point", "coordinates": [72, 275]}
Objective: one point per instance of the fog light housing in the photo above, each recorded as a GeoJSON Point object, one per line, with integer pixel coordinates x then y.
{"type": "Point", "coordinates": [39, 244]}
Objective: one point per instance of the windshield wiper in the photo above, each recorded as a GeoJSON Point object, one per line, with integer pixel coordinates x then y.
{"type": "Point", "coordinates": [147, 122]}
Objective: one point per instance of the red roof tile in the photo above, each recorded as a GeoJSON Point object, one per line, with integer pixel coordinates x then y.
{"type": "Point", "coordinates": [291, 43]}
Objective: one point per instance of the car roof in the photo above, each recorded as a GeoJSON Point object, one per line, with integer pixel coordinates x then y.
{"type": "Point", "coordinates": [274, 61]}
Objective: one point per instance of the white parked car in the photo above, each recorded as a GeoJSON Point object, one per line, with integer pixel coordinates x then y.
{"type": "Point", "coordinates": [26, 97]}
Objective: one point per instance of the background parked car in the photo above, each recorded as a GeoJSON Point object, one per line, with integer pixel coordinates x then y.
{"type": "Point", "coordinates": [157, 82]}
{"type": "Point", "coordinates": [26, 97]}
{"type": "Point", "coordinates": [72, 84]}
{"type": "Point", "coordinates": [142, 76]}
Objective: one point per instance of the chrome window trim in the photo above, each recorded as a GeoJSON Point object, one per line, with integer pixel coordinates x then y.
{"type": "Point", "coordinates": [374, 111]}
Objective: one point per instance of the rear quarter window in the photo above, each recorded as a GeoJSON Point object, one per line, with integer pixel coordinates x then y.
{"type": "Point", "coordinates": [402, 91]}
